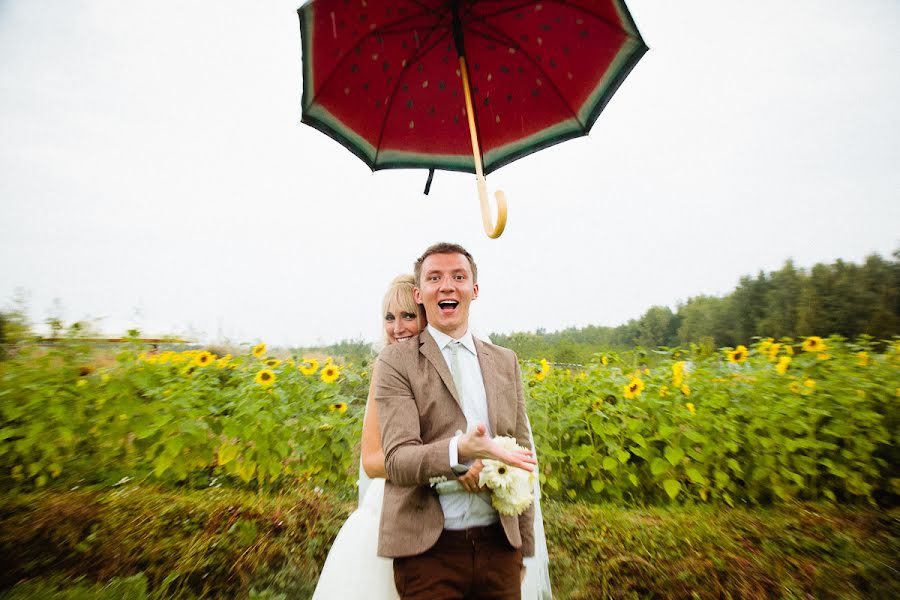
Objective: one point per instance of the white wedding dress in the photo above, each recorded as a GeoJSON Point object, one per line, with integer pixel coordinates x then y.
{"type": "Point", "coordinates": [354, 571]}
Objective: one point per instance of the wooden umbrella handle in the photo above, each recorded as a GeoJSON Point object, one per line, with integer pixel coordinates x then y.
{"type": "Point", "coordinates": [491, 228]}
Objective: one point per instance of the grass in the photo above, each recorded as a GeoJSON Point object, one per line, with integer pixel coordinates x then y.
{"type": "Point", "coordinates": [145, 542]}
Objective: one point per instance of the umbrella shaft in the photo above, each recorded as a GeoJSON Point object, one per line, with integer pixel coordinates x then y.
{"type": "Point", "coordinates": [470, 113]}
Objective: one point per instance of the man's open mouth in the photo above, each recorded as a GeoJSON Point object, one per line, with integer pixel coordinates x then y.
{"type": "Point", "coordinates": [448, 306]}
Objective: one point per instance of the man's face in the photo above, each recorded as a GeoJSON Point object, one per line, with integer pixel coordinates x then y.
{"type": "Point", "coordinates": [446, 289]}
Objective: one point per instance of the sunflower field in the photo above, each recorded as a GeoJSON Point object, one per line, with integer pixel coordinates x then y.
{"type": "Point", "coordinates": [811, 419]}
{"type": "Point", "coordinates": [178, 417]}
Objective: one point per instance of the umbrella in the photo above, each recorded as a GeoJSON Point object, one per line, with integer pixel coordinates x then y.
{"type": "Point", "coordinates": [461, 85]}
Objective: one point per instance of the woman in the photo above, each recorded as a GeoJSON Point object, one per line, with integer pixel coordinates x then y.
{"type": "Point", "coordinates": [370, 576]}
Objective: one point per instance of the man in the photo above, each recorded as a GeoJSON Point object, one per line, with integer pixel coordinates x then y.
{"type": "Point", "coordinates": [441, 397]}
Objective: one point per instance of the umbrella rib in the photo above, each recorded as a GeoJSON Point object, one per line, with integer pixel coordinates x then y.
{"type": "Point", "coordinates": [378, 30]}
{"type": "Point", "coordinates": [512, 43]}
{"type": "Point", "coordinates": [387, 110]}
{"type": "Point", "coordinates": [481, 18]}
{"type": "Point", "coordinates": [601, 18]}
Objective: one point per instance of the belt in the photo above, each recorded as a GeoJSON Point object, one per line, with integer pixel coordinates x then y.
{"type": "Point", "coordinates": [484, 532]}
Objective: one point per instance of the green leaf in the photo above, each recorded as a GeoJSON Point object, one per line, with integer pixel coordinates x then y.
{"type": "Point", "coordinates": [695, 436]}
{"type": "Point", "coordinates": [696, 476]}
{"type": "Point", "coordinates": [658, 466]}
{"type": "Point", "coordinates": [609, 463]}
{"type": "Point", "coordinates": [638, 439]}
{"type": "Point", "coordinates": [633, 479]}
{"type": "Point", "coordinates": [623, 456]}
{"type": "Point", "coordinates": [162, 464]}
{"type": "Point", "coordinates": [672, 488]}
{"type": "Point", "coordinates": [597, 485]}
{"type": "Point", "coordinates": [227, 453]}
{"type": "Point", "coordinates": [246, 469]}
{"type": "Point", "coordinates": [674, 455]}
{"type": "Point", "coordinates": [722, 478]}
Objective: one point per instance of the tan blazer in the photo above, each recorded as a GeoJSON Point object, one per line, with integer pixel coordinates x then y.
{"type": "Point", "coordinates": [419, 413]}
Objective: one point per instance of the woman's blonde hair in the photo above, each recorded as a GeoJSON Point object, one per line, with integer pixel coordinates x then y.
{"type": "Point", "coordinates": [400, 294]}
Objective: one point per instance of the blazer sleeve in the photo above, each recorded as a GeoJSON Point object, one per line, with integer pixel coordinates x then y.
{"type": "Point", "coordinates": [407, 460]}
{"type": "Point", "coordinates": [526, 519]}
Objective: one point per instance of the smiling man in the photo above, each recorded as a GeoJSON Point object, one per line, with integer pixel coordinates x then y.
{"type": "Point", "coordinates": [440, 400]}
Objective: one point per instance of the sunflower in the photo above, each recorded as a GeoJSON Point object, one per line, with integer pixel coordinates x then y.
{"type": "Point", "coordinates": [597, 404]}
{"type": "Point", "coordinates": [678, 373]}
{"type": "Point", "coordinates": [85, 370]}
{"type": "Point", "coordinates": [604, 360]}
{"type": "Point", "coordinates": [814, 344]}
{"type": "Point", "coordinates": [330, 373]}
{"type": "Point", "coordinates": [862, 359]}
{"type": "Point", "coordinates": [633, 388]}
{"type": "Point", "coordinates": [340, 407]}
{"type": "Point", "coordinates": [223, 362]}
{"type": "Point", "coordinates": [265, 378]}
{"type": "Point", "coordinates": [690, 407]}
{"type": "Point", "coordinates": [738, 355]}
{"type": "Point", "coordinates": [542, 370]}
{"type": "Point", "coordinates": [686, 390]}
{"type": "Point", "coordinates": [794, 387]}
{"type": "Point", "coordinates": [309, 366]}
{"type": "Point", "coordinates": [204, 358]}
{"type": "Point", "coordinates": [258, 350]}
{"type": "Point", "coordinates": [783, 363]}
{"type": "Point", "coordinates": [273, 363]}
{"type": "Point", "coordinates": [774, 349]}
{"type": "Point", "coordinates": [765, 346]}
{"type": "Point", "coordinates": [663, 391]}
{"type": "Point", "coordinates": [810, 383]}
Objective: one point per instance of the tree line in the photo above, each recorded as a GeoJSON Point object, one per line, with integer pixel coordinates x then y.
{"type": "Point", "coordinates": [841, 298]}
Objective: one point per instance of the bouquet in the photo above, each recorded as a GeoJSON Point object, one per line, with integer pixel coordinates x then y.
{"type": "Point", "coordinates": [512, 488]}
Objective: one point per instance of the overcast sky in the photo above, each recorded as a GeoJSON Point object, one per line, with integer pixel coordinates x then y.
{"type": "Point", "coordinates": [154, 172]}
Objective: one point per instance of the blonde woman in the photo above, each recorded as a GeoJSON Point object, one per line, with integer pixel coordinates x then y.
{"type": "Point", "coordinates": [370, 576]}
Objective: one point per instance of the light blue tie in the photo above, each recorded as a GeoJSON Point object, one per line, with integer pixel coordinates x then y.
{"type": "Point", "coordinates": [455, 369]}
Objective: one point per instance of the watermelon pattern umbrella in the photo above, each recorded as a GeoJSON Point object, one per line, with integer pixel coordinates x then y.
{"type": "Point", "coordinates": [461, 85]}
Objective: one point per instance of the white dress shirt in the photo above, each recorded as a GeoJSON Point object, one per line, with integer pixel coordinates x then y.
{"type": "Point", "coordinates": [463, 510]}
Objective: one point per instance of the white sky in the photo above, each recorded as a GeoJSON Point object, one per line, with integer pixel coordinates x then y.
{"type": "Point", "coordinates": [153, 172]}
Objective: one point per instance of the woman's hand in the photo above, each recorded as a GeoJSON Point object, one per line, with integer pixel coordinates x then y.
{"type": "Point", "coordinates": [477, 444]}
{"type": "Point", "coordinates": [469, 481]}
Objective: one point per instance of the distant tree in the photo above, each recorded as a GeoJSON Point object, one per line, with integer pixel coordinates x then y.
{"type": "Point", "coordinates": [701, 316]}
{"type": "Point", "coordinates": [782, 300]}
{"type": "Point", "coordinates": [658, 327]}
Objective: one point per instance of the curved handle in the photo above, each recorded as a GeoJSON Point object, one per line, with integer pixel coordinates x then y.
{"type": "Point", "coordinates": [491, 228]}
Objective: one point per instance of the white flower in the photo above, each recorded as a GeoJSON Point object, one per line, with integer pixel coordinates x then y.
{"type": "Point", "coordinates": [512, 487]}
{"type": "Point", "coordinates": [436, 480]}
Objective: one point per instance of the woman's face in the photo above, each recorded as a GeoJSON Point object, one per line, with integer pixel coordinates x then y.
{"type": "Point", "coordinates": [400, 325]}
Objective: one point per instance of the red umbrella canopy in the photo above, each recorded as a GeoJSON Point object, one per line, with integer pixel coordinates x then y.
{"type": "Point", "coordinates": [383, 77]}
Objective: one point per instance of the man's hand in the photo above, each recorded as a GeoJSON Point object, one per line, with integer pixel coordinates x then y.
{"type": "Point", "coordinates": [477, 444]}
{"type": "Point", "coordinates": [469, 481]}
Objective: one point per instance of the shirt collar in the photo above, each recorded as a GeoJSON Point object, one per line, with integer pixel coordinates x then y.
{"type": "Point", "coordinates": [442, 339]}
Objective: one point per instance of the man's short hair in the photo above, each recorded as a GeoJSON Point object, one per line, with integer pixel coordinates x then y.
{"type": "Point", "coordinates": [444, 248]}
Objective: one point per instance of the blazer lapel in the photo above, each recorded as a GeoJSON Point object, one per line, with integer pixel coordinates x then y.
{"type": "Point", "coordinates": [486, 360]}
{"type": "Point", "coordinates": [429, 349]}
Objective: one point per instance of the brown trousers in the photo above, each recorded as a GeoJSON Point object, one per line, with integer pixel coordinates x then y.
{"type": "Point", "coordinates": [474, 564]}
